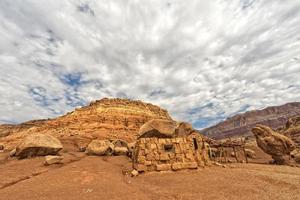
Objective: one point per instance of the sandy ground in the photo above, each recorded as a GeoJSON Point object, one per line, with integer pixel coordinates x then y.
{"type": "Point", "coordinates": [82, 177]}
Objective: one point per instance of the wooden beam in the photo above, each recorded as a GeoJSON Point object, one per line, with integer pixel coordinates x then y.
{"type": "Point", "coordinates": [244, 150]}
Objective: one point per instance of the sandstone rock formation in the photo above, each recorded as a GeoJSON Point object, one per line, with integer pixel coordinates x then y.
{"type": "Point", "coordinates": [250, 153]}
{"type": "Point", "coordinates": [158, 128]}
{"type": "Point", "coordinates": [38, 145]}
{"type": "Point", "coordinates": [120, 147]}
{"type": "Point", "coordinates": [50, 160]}
{"type": "Point", "coordinates": [274, 144]}
{"type": "Point", "coordinates": [292, 130]}
{"type": "Point", "coordinates": [241, 124]}
{"type": "Point", "coordinates": [102, 119]}
{"type": "Point", "coordinates": [100, 148]}
{"type": "Point", "coordinates": [296, 155]}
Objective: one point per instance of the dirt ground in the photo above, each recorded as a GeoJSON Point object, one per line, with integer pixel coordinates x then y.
{"type": "Point", "coordinates": [92, 177]}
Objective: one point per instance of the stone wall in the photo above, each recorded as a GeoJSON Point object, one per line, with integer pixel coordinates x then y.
{"type": "Point", "coordinates": [160, 154]}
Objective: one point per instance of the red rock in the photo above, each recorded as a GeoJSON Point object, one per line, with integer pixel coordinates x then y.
{"type": "Point", "coordinates": [241, 124]}
{"type": "Point", "coordinates": [102, 119]}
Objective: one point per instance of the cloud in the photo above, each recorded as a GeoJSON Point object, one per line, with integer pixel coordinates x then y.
{"type": "Point", "coordinates": [202, 60]}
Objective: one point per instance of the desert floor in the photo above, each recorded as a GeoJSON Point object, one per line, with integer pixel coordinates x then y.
{"type": "Point", "coordinates": [91, 177]}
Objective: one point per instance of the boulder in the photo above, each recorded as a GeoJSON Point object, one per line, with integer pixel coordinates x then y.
{"type": "Point", "coordinates": [250, 153]}
{"type": "Point", "coordinates": [183, 129]}
{"type": "Point", "coordinates": [134, 173]}
{"type": "Point", "coordinates": [158, 128]}
{"type": "Point", "coordinates": [296, 155]}
{"type": "Point", "coordinates": [120, 143]}
{"type": "Point", "coordinates": [1, 146]}
{"type": "Point", "coordinates": [274, 144]}
{"type": "Point", "coordinates": [100, 148]}
{"type": "Point", "coordinates": [49, 160]}
{"type": "Point", "coordinates": [38, 145]}
{"type": "Point", "coordinates": [120, 147]}
{"type": "Point", "coordinates": [120, 151]}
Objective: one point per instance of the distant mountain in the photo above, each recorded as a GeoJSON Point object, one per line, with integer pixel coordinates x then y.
{"type": "Point", "coordinates": [241, 124]}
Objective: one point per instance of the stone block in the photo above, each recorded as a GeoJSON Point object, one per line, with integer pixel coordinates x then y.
{"type": "Point", "coordinates": [153, 146]}
{"type": "Point", "coordinates": [49, 160]}
{"type": "Point", "coordinates": [161, 141]}
{"type": "Point", "coordinates": [177, 166]}
{"type": "Point", "coordinates": [164, 156]}
{"type": "Point", "coordinates": [156, 156]}
{"type": "Point", "coordinates": [177, 149]}
{"type": "Point", "coordinates": [141, 159]}
{"type": "Point", "coordinates": [147, 163]}
{"type": "Point", "coordinates": [190, 165]}
{"type": "Point", "coordinates": [150, 156]}
{"type": "Point", "coordinates": [189, 155]}
{"type": "Point", "coordinates": [141, 168]}
{"type": "Point", "coordinates": [163, 167]}
{"type": "Point", "coordinates": [143, 140]}
{"type": "Point", "coordinates": [171, 155]}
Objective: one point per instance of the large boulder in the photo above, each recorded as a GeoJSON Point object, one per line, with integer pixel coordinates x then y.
{"type": "Point", "coordinates": [120, 147]}
{"type": "Point", "coordinates": [274, 144]}
{"type": "Point", "coordinates": [100, 148]}
{"type": "Point", "coordinates": [184, 129]}
{"type": "Point", "coordinates": [158, 128]}
{"type": "Point", "coordinates": [38, 145]}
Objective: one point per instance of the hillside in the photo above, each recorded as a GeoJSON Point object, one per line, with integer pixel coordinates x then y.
{"type": "Point", "coordinates": [105, 118]}
{"type": "Point", "coordinates": [241, 124]}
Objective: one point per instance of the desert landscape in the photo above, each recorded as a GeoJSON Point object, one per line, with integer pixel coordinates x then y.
{"type": "Point", "coordinates": [149, 100]}
{"type": "Point", "coordinates": [92, 153]}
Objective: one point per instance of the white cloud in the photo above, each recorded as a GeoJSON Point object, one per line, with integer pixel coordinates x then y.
{"type": "Point", "coordinates": [202, 60]}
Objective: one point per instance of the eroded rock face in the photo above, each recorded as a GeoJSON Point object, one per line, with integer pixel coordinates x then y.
{"type": "Point", "coordinates": [105, 119]}
{"type": "Point", "coordinates": [241, 124]}
{"type": "Point", "coordinates": [292, 130]}
{"type": "Point", "coordinates": [100, 148]}
{"type": "Point", "coordinates": [250, 153]}
{"type": "Point", "coordinates": [296, 155]}
{"type": "Point", "coordinates": [38, 145]}
{"type": "Point", "coordinates": [274, 144]}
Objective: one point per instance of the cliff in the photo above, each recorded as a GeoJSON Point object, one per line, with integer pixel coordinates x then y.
{"type": "Point", "coordinates": [241, 124]}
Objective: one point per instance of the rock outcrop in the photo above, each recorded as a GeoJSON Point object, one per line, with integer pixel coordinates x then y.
{"type": "Point", "coordinates": [292, 130]}
{"type": "Point", "coordinates": [296, 155]}
{"type": "Point", "coordinates": [100, 148]}
{"type": "Point", "coordinates": [274, 144]}
{"type": "Point", "coordinates": [158, 128]}
{"type": "Point", "coordinates": [241, 124]}
{"type": "Point", "coordinates": [102, 119]}
{"type": "Point", "coordinates": [38, 145]}
{"type": "Point", "coordinates": [50, 160]}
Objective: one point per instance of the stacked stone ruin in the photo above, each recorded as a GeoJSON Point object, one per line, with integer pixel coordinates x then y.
{"type": "Point", "coordinates": [171, 152]}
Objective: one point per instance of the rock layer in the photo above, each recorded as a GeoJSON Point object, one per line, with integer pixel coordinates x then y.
{"type": "Point", "coordinates": [102, 119]}
{"type": "Point", "coordinates": [292, 130]}
{"type": "Point", "coordinates": [241, 124]}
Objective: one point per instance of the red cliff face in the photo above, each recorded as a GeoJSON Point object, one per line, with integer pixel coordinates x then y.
{"type": "Point", "coordinates": [105, 118]}
{"type": "Point", "coordinates": [241, 124]}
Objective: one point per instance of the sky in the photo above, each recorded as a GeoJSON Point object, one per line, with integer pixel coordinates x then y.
{"type": "Point", "coordinates": [203, 61]}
